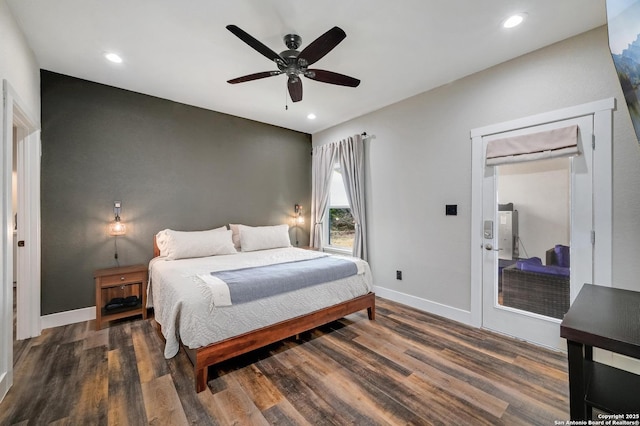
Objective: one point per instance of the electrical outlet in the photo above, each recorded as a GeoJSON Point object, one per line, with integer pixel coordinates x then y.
{"type": "Point", "coordinates": [398, 275]}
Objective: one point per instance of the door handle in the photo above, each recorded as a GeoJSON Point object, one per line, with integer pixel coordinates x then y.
{"type": "Point", "coordinates": [21, 243]}
{"type": "Point", "coordinates": [490, 247]}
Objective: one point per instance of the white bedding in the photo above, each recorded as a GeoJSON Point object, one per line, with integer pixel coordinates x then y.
{"type": "Point", "coordinates": [184, 308]}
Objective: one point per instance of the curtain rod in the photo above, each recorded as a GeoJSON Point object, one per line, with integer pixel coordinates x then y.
{"type": "Point", "coordinates": [366, 136]}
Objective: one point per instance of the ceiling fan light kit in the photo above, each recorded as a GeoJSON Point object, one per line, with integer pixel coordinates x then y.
{"type": "Point", "coordinates": [295, 63]}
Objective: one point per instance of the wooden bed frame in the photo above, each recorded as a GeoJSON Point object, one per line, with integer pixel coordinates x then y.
{"type": "Point", "coordinates": [203, 357]}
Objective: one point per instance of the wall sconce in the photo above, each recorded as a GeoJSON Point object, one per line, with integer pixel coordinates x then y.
{"type": "Point", "coordinates": [298, 219]}
{"type": "Point", "coordinates": [117, 227]}
{"type": "Point", "coordinates": [298, 215]}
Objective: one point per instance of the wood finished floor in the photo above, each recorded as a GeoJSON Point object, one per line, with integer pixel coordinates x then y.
{"type": "Point", "coordinates": [407, 367]}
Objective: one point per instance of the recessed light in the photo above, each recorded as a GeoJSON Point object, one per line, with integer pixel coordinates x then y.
{"type": "Point", "coordinates": [113, 57]}
{"type": "Point", "coordinates": [311, 116]}
{"type": "Point", "coordinates": [514, 20]}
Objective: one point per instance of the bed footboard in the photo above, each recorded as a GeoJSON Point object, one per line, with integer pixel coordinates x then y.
{"type": "Point", "coordinates": [204, 357]}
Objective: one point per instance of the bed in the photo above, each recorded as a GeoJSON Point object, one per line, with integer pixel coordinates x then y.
{"type": "Point", "coordinates": [213, 328]}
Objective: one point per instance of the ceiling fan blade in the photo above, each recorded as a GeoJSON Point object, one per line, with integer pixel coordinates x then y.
{"type": "Point", "coordinates": [332, 78]}
{"type": "Point", "coordinates": [257, 45]}
{"type": "Point", "coordinates": [255, 76]}
{"type": "Point", "coordinates": [322, 45]}
{"type": "Point", "coordinates": [295, 88]}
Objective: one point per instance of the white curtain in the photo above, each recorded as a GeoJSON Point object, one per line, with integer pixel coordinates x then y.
{"type": "Point", "coordinates": [351, 155]}
{"type": "Point", "coordinates": [323, 159]}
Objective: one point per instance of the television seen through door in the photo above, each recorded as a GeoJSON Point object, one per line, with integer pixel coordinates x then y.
{"type": "Point", "coordinates": [623, 19]}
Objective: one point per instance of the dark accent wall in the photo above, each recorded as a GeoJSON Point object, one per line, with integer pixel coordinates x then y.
{"type": "Point", "coordinates": [172, 166]}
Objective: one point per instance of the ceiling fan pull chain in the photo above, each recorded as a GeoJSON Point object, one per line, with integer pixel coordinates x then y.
{"type": "Point", "coordinates": [286, 100]}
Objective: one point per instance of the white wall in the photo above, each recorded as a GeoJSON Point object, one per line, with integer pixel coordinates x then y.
{"type": "Point", "coordinates": [539, 191]}
{"type": "Point", "coordinates": [17, 62]}
{"type": "Point", "coordinates": [420, 160]}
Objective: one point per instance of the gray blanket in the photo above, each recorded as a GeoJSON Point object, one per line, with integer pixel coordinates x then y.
{"type": "Point", "coordinates": [249, 284]}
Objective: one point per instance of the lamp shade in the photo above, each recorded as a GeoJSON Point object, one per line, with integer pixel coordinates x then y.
{"type": "Point", "coordinates": [298, 215]}
{"type": "Point", "coordinates": [117, 228]}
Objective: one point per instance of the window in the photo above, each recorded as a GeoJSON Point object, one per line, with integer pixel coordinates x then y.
{"type": "Point", "coordinates": [341, 225]}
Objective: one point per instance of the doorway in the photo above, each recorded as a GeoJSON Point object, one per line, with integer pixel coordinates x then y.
{"type": "Point", "coordinates": [589, 180]}
{"type": "Point", "coordinates": [21, 134]}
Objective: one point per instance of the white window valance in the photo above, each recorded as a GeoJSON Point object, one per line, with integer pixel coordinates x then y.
{"type": "Point", "coordinates": [554, 143]}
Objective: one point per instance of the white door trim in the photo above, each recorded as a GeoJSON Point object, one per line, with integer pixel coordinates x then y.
{"type": "Point", "coordinates": [602, 112]}
{"type": "Point", "coordinates": [14, 111]}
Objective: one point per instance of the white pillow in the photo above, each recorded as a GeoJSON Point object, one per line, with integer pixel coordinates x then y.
{"type": "Point", "coordinates": [236, 235]}
{"type": "Point", "coordinates": [264, 237]}
{"type": "Point", "coordinates": [162, 238]}
{"type": "Point", "coordinates": [181, 245]}
{"type": "Point", "coordinates": [161, 241]}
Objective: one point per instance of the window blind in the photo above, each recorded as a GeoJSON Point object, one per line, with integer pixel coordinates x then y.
{"type": "Point", "coordinates": [562, 142]}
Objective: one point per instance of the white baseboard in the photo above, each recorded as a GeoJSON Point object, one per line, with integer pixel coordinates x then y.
{"type": "Point", "coordinates": [89, 313]}
{"type": "Point", "coordinates": [617, 360]}
{"type": "Point", "coordinates": [429, 306]}
{"type": "Point", "coordinates": [68, 317]}
{"type": "Point", "coordinates": [6, 381]}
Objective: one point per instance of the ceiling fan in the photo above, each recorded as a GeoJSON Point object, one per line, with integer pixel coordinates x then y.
{"type": "Point", "coordinates": [294, 63]}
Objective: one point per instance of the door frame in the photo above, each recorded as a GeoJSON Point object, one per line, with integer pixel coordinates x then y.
{"type": "Point", "coordinates": [602, 112]}
{"type": "Point", "coordinates": [14, 112]}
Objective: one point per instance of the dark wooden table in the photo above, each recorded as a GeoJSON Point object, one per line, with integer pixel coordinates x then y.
{"type": "Point", "coordinates": [607, 318]}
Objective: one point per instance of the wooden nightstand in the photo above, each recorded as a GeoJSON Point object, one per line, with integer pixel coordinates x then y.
{"type": "Point", "coordinates": [120, 282]}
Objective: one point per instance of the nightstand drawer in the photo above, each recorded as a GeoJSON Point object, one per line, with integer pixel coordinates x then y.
{"type": "Point", "coordinates": [132, 277]}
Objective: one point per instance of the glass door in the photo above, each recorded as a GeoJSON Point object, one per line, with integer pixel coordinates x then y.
{"type": "Point", "coordinates": [537, 219]}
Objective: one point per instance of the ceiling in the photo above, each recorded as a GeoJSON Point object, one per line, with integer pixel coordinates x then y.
{"type": "Point", "coordinates": [181, 50]}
